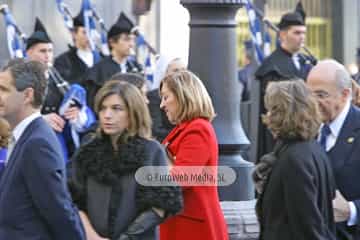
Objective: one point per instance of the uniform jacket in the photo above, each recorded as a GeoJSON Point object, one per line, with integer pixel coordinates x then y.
{"type": "Point", "coordinates": [53, 98]}
{"type": "Point", "coordinates": [278, 66]}
{"type": "Point", "coordinates": [71, 67]}
{"type": "Point", "coordinates": [102, 72]}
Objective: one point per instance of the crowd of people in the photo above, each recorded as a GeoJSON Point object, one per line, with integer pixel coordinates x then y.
{"type": "Point", "coordinates": [71, 161]}
{"type": "Point", "coordinates": [307, 160]}
{"type": "Point", "coordinates": [57, 186]}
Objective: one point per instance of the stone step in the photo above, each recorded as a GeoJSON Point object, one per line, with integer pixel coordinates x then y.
{"type": "Point", "coordinates": [241, 219]}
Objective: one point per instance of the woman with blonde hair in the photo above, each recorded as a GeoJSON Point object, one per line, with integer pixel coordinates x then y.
{"type": "Point", "coordinates": [193, 143]}
{"type": "Point", "coordinates": [165, 65]}
{"type": "Point", "coordinates": [295, 182]}
{"type": "Point", "coordinates": [112, 204]}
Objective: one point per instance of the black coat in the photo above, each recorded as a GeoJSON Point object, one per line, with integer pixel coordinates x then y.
{"type": "Point", "coordinates": [278, 66]}
{"type": "Point", "coordinates": [71, 67]}
{"type": "Point", "coordinates": [53, 98]}
{"type": "Point", "coordinates": [103, 185]}
{"type": "Point", "coordinates": [51, 104]}
{"type": "Point", "coordinates": [297, 200]}
{"type": "Point", "coordinates": [102, 72]}
{"type": "Point", "coordinates": [161, 126]}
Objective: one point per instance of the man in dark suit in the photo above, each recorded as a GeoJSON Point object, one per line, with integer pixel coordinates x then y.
{"type": "Point", "coordinates": [340, 137]}
{"type": "Point", "coordinates": [34, 200]}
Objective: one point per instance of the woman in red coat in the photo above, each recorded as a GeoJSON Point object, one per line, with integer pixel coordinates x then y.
{"type": "Point", "coordinates": [192, 143]}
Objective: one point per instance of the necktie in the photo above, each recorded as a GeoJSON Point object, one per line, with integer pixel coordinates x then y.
{"type": "Point", "coordinates": [10, 148]}
{"type": "Point", "coordinates": [325, 132]}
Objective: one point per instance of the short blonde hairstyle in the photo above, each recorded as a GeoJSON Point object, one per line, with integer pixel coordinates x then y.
{"type": "Point", "coordinates": [192, 97]}
{"type": "Point", "coordinates": [293, 112]}
{"type": "Point", "coordinates": [138, 112]}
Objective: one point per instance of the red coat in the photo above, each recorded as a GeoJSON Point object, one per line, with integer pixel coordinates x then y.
{"type": "Point", "coordinates": [193, 143]}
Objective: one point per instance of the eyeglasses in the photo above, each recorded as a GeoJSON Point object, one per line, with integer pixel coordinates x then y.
{"type": "Point", "coordinates": [321, 94]}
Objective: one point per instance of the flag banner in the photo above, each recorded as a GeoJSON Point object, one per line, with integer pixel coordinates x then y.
{"type": "Point", "coordinates": [15, 39]}
{"type": "Point", "coordinates": [65, 13]}
{"type": "Point", "coordinates": [255, 30]}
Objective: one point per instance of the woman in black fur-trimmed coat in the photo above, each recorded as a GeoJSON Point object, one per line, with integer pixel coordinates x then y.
{"type": "Point", "coordinates": [112, 204]}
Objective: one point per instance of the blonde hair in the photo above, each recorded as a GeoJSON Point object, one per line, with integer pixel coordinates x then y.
{"type": "Point", "coordinates": [138, 112]}
{"type": "Point", "coordinates": [192, 97]}
{"type": "Point", "coordinates": [292, 110]}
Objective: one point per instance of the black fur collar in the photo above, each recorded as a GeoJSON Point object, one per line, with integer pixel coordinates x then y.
{"type": "Point", "coordinates": [99, 160]}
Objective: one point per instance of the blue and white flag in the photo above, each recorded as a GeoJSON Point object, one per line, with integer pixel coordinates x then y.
{"type": "Point", "coordinates": [65, 13]}
{"type": "Point", "coordinates": [104, 43]}
{"type": "Point", "coordinates": [149, 71]}
{"type": "Point", "coordinates": [16, 42]}
{"type": "Point", "coordinates": [90, 26]}
{"type": "Point", "coordinates": [267, 42]}
{"type": "Point", "coordinates": [103, 34]}
{"type": "Point", "coordinates": [76, 96]}
{"type": "Point", "coordinates": [144, 50]}
{"type": "Point", "coordinates": [255, 30]}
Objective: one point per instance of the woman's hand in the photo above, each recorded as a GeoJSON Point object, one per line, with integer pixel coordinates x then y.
{"type": "Point", "coordinates": [91, 234]}
{"type": "Point", "coordinates": [96, 237]}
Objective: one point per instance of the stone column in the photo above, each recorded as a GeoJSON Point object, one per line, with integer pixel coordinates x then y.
{"type": "Point", "coordinates": [212, 57]}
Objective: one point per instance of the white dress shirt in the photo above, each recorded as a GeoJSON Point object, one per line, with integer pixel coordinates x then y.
{"type": "Point", "coordinates": [123, 67]}
{"type": "Point", "coordinates": [335, 127]}
{"type": "Point", "coordinates": [86, 56]}
{"type": "Point", "coordinates": [296, 61]}
{"type": "Point", "coordinates": [19, 129]}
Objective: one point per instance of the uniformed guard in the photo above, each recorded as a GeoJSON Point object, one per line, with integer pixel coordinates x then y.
{"type": "Point", "coordinates": [285, 63]}
{"type": "Point", "coordinates": [121, 43]}
{"type": "Point", "coordinates": [39, 47]}
{"type": "Point", "coordinates": [75, 62]}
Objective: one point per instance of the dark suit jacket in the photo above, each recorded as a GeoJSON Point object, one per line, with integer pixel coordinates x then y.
{"type": "Point", "coordinates": [297, 201]}
{"type": "Point", "coordinates": [34, 200]}
{"type": "Point", "coordinates": [345, 159]}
